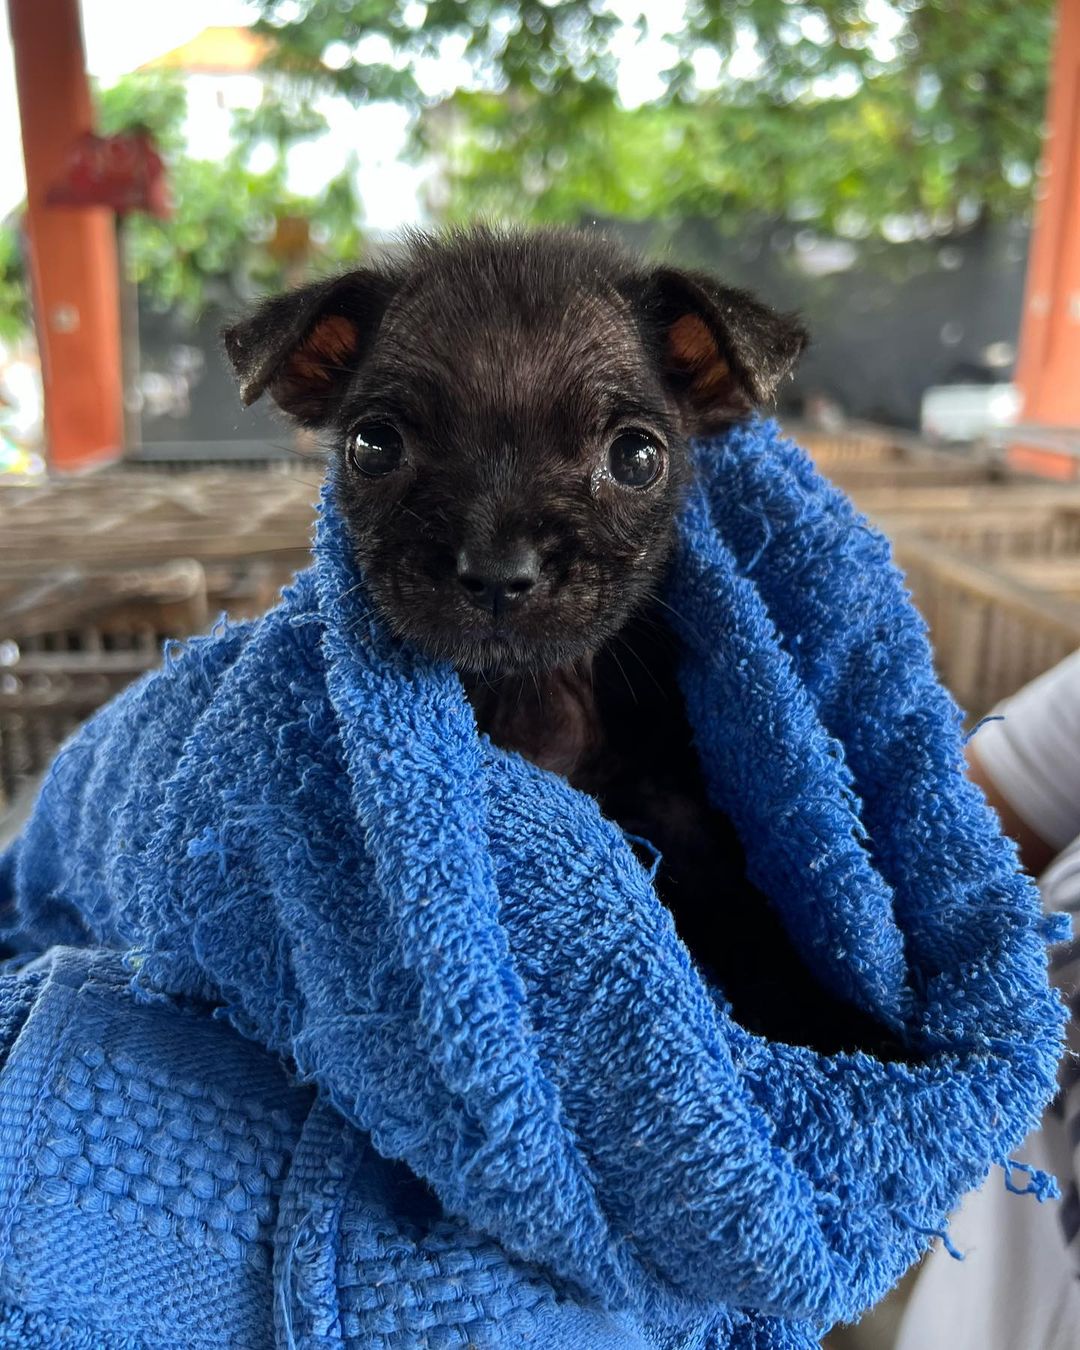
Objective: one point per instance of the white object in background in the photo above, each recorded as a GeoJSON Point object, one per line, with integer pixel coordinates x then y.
{"type": "Point", "coordinates": [967, 412]}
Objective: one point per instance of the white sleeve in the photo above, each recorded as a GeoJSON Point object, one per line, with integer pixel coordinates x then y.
{"type": "Point", "coordinates": [1033, 753]}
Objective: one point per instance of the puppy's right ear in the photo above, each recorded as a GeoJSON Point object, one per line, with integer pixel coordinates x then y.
{"type": "Point", "coordinates": [722, 351]}
{"type": "Point", "coordinates": [302, 347]}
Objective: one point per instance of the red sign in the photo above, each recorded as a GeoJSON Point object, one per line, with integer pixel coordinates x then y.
{"type": "Point", "coordinates": [123, 172]}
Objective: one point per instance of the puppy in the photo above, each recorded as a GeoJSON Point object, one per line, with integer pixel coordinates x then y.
{"type": "Point", "coordinates": [513, 413]}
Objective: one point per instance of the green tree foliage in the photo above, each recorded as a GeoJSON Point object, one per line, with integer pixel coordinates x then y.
{"type": "Point", "coordinates": [859, 116]}
{"type": "Point", "coordinates": [219, 240]}
{"type": "Point", "coordinates": [852, 114]}
{"type": "Point", "coordinates": [14, 306]}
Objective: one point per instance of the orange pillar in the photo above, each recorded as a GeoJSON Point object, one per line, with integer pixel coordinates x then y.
{"type": "Point", "coordinates": [73, 267]}
{"type": "Point", "coordinates": [1048, 369]}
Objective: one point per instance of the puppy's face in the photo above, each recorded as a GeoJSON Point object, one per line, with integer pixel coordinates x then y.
{"type": "Point", "coordinates": [512, 414]}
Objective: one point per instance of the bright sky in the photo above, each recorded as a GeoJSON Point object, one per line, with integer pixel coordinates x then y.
{"type": "Point", "coordinates": [122, 34]}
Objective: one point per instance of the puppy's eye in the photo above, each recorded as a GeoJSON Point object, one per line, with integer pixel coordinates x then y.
{"type": "Point", "coordinates": [375, 448]}
{"type": "Point", "coordinates": [635, 460]}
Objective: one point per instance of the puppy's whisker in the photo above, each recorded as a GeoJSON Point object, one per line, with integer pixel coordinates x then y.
{"type": "Point", "coordinates": [623, 642]}
{"type": "Point", "coordinates": [351, 591]}
{"type": "Point", "coordinates": [622, 672]}
{"type": "Point", "coordinates": [687, 624]}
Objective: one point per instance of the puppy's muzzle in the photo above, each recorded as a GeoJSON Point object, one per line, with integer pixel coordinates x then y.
{"type": "Point", "coordinates": [500, 577]}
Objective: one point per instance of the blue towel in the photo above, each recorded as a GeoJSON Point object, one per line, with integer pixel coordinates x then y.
{"type": "Point", "coordinates": [335, 1025]}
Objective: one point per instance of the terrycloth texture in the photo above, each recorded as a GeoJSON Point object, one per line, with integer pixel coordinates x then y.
{"type": "Point", "coordinates": [165, 1183]}
{"type": "Point", "coordinates": [297, 823]}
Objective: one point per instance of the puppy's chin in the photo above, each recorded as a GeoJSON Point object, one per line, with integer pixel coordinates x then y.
{"type": "Point", "coordinates": [497, 651]}
{"type": "Point", "coordinates": [476, 643]}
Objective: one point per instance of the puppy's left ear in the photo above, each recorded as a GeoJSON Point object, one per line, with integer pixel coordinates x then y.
{"type": "Point", "coordinates": [303, 347]}
{"type": "Point", "coordinates": [723, 352]}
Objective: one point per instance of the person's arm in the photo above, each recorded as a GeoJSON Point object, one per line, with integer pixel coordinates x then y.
{"type": "Point", "coordinates": [1035, 852]}
{"type": "Point", "coordinates": [1027, 761]}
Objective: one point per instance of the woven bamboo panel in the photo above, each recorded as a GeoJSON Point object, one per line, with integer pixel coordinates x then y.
{"type": "Point", "coordinates": [992, 629]}
{"type": "Point", "coordinates": [1009, 529]}
{"type": "Point", "coordinates": [97, 573]}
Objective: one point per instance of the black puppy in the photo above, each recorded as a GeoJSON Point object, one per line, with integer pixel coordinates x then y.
{"type": "Point", "coordinates": [513, 411]}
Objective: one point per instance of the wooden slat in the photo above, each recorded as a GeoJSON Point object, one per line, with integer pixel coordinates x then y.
{"type": "Point", "coordinates": [96, 572]}
{"type": "Point", "coordinates": [991, 631]}
{"type": "Point", "coordinates": [169, 596]}
{"type": "Point", "coordinates": [991, 585]}
{"type": "Point", "coordinates": [1055, 575]}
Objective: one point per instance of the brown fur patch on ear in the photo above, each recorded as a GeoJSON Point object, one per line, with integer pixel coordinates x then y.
{"type": "Point", "coordinates": [695, 354]}
{"type": "Point", "coordinates": [320, 356]}
{"type": "Point", "coordinates": [312, 374]}
{"type": "Point", "coordinates": [690, 343]}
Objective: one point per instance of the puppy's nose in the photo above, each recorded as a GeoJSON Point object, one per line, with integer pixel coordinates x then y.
{"type": "Point", "coordinates": [498, 577]}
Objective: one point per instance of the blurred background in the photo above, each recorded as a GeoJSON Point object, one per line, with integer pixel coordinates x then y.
{"type": "Point", "coordinates": [905, 172]}
{"type": "Point", "coordinates": [872, 162]}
